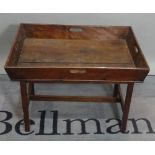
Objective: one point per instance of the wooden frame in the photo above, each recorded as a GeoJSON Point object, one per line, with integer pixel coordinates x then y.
{"type": "Point", "coordinates": [76, 54]}
{"type": "Point", "coordinates": [28, 94]}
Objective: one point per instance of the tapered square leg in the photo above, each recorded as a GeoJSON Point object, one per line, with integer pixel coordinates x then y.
{"type": "Point", "coordinates": [127, 106]}
{"type": "Point", "coordinates": [25, 105]}
{"type": "Point", "coordinates": [115, 92]}
{"type": "Point", "coordinates": [31, 88]}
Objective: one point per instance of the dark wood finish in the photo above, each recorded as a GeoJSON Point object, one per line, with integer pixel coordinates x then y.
{"type": "Point", "coordinates": [121, 97]}
{"type": "Point", "coordinates": [118, 94]}
{"type": "Point", "coordinates": [126, 106]}
{"type": "Point", "coordinates": [76, 54]}
{"type": "Point", "coordinates": [31, 88]}
{"type": "Point", "coordinates": [72, 98]}
{"type": "Point", "coordinates": [79, 53]}
{"type": "Point", "coordinates": [115, 92]}
{"type": "Point", "coordinates": [25, 104]}
{"type": "Point", "coordinates": [50, 52]}
{"type": "Point", "coordinates": [64, 74]}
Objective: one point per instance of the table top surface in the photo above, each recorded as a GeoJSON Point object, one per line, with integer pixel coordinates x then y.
{"type": "Point", "coordinates": [75, 53]}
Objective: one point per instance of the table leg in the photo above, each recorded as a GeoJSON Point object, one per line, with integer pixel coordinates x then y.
{"type": "Point", "coordinates": [127, 105]}
{"type": "Point", "coordinates": [31, 88]}
{"type": "Point", "coordinates": [115, 92]}
{"type": "Point", "coordinates": [25, 104]}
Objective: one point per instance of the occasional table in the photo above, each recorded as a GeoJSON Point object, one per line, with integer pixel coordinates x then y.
{"type": "Point", "coordinates": [76, 54]}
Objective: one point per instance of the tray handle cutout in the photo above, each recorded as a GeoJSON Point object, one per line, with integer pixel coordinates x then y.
{"type": "Point", "coordinates": [75, 29]}
{"type": "Point", "coordinates": [136, 49]}
{"type": "Point", "coordinates": [77, 71]}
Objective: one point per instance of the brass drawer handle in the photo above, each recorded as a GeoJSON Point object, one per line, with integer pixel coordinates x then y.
{"type": "Point", "coordinates": [75, 71]}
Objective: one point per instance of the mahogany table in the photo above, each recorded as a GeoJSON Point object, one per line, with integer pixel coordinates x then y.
{"type": "Point", "coordinates": [76, 54]}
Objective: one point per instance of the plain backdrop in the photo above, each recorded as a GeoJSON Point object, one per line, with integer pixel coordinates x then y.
{"type": "Point", "coordinates": [143, 26]}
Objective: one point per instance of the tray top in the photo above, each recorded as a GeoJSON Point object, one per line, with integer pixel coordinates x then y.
{"type": "Point", "coordinates": [75, 53]}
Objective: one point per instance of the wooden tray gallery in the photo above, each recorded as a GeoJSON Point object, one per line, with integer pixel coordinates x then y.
{"type": "Point", "coordinates": [76, 53]}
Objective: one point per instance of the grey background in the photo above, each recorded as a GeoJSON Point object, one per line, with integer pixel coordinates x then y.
{"type": "Point", "coordinates": [143, 25]}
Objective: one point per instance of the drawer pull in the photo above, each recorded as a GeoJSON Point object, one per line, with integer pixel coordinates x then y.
{"type": "Point", "coordinates": [75, 71]}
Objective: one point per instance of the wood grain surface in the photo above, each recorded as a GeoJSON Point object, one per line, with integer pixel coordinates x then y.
{"type": "Point", "coordinates": [60, 52]}
{"type": "Point", "coordinates": [76, 53]}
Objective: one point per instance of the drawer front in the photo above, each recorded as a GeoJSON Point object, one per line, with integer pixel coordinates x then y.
{"type": "Point", "coordinates": [76, 74]}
